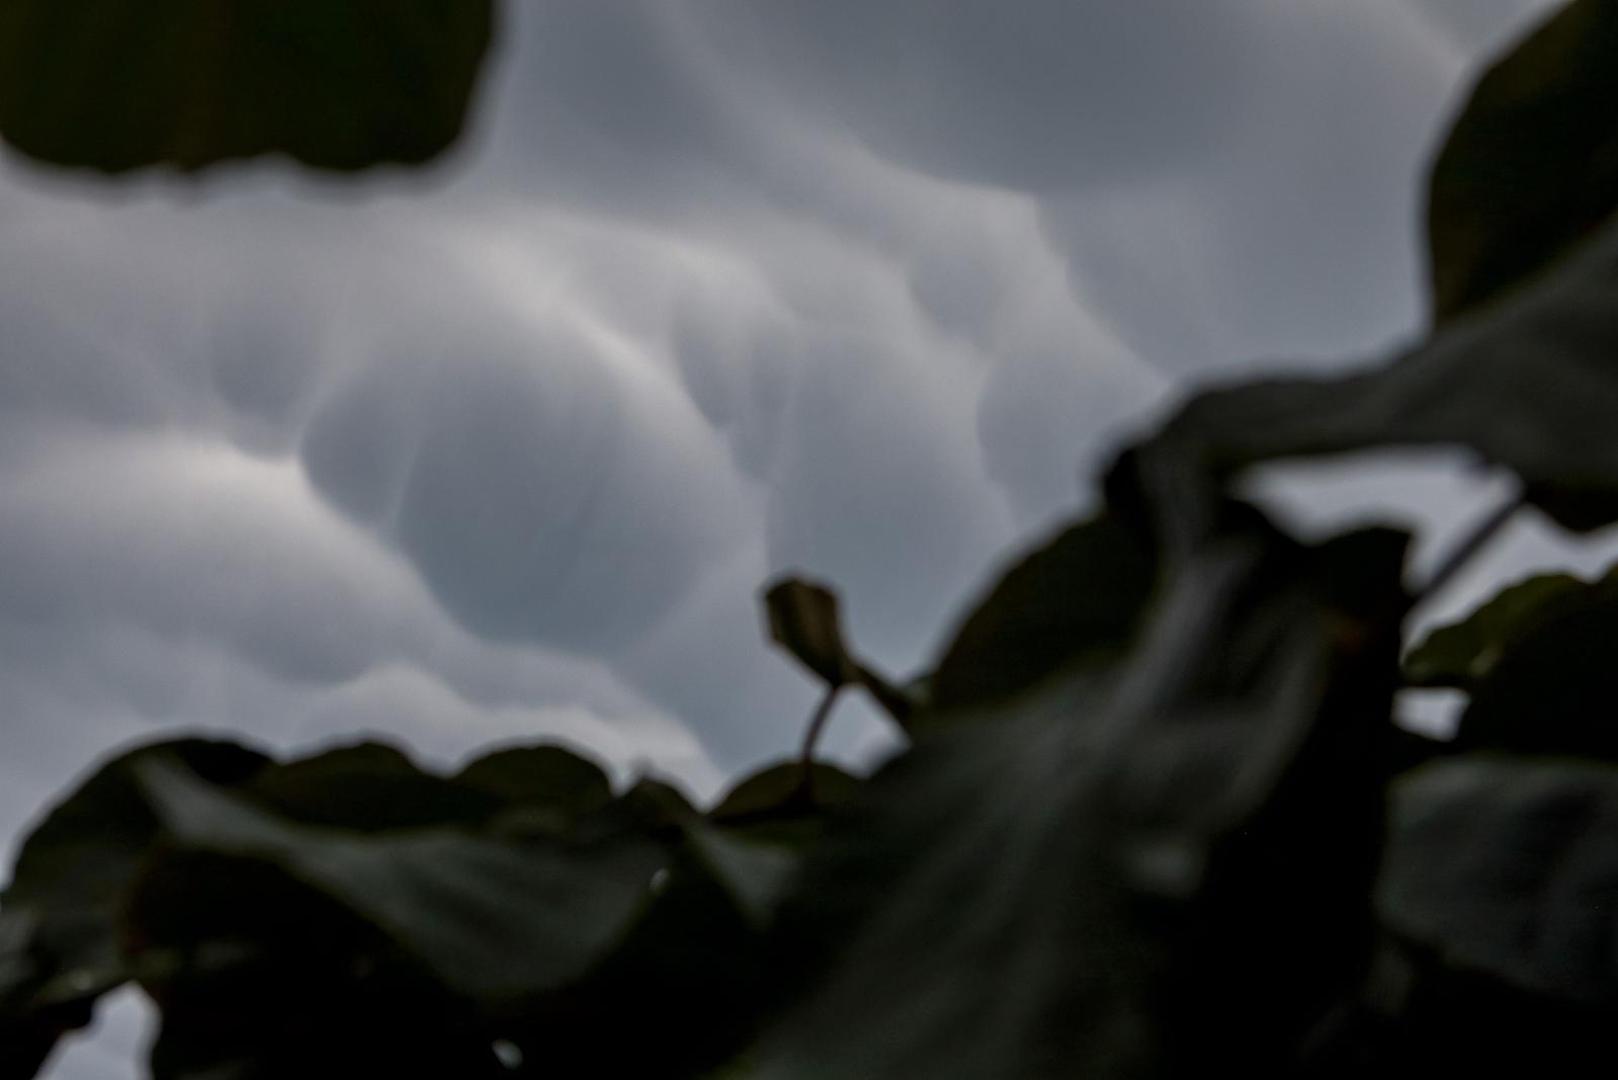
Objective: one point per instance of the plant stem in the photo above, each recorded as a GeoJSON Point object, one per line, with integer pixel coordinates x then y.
{"type": "Point", "coordinates": [817, 724]}
{"type": "Point", "coordinates": [1469, 545]}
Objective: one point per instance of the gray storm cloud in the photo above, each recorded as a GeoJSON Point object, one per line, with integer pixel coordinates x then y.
{"type": "Point", "coordinates": [503, 451]}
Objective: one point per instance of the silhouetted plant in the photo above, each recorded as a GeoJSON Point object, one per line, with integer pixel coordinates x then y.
{"type": "Point", "coordinates": [1154, 819]}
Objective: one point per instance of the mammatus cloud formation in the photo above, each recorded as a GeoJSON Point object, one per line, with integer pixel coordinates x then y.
{"type": "Point", "coordinates": [504, 452]}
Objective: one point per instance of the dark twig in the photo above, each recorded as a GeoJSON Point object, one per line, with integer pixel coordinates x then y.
{"type": "Point", "coordinates": [811, 737]}
{"type": "Point", "coordinates": [1469, 545]}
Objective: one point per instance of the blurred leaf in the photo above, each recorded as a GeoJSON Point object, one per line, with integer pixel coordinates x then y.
{"type": "Point", "coordinates": [805, 621]}
{"type": "Point", "coordinates": [1551, 691]}
{"type": "Point", "coordinates": [1462, 653]}
{"type": "Point", "coordinates": [681, 994]}
{"type": "Point", "coordinates": [777, 791]}
{"type": "Point", "coordinates": [755, 873]}
{"type": "Point", "coordinates": [649, 807]}
{"type": "Point", "coordinates": [26, 1042]}
{"type": "Point", "coordinates": [1537, 660]}
{"type": "Point", "coordinates": [1080, 595]}
{"type": "Point", "coordinates": [60, 917]}
{"type": "Point", "coordinates": [1426, 1019]}
{"type": "Point", "coordinates": [1531, 165]}
{"type": "Point", "coordinates": [691, 979]}
{"type": "Point", "coordinates": [1160, 870]}
{"type": "Point", "coordinates": [260, 976]}
{"type": "Point", "coordinates": [370, 787]}
{"type": "Point", "coordinates": [495, 918]}
{"type": "Point", "coordinates": [75, 870]}
{"type": "Point", "coordinates": [115, 85]}
{"type": "Point", "coordinates": [1510, 868]}
{"type": "Point", "coordinates": [551, 777]}
{"type": "Point", "coordinates": [1530, 383]}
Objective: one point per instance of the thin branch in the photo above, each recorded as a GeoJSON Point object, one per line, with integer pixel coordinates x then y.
{"type": "Point", "coordinates": [1469, 545]}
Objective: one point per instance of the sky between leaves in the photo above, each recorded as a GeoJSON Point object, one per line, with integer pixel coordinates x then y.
{"type": "Point", "coordinates": [503, 450]}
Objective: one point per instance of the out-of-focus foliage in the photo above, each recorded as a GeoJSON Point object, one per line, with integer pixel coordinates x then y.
{"type": "Point", "coordinates": [1532, 167]}
{"type": "Point", "coordinates": [1154, 819]}
{"type": "Point", "coordinates": [115, 85]}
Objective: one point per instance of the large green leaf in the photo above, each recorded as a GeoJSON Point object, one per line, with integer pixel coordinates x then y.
{"type": "Point", "coordinates": [494, 916]}
{"type": "Point", "coordinates": [1510, 868]}
{"type": "Point", "coordinates": [1161, 870]}
{"type": "Point", "coordinates": [1530, 383]}
{"type": "Point", "coordinates": [1080, 594]}
{"type": "Point", "coordinates": [339, 84]}
{"type": "Point", "coordinates": [1531, 166]}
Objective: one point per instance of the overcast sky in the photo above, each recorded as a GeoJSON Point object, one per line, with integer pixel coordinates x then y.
{"type": "Point", "coordinates": [504, 450]}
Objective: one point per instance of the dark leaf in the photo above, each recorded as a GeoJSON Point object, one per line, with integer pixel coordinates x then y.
{"type": "Point", "coordinates": [1160, 870]}
{"type": "Point", "coordinates": [370, 787]}
{"type": "Point", "coordinates": [649, 807]}
{"type": "Point", "coordinates": [548, 777]}
{"type": "Point", "coordinates": [115, 85]}
{"type": "Point", "coordinates": [1078, 596]}
{"type": "Point", "coordinates": [1552, 689]}
{"type": "Point", "coordinates": [681, 995]}
{"type": "Point", "coordinates": [1529, 383]}
{"type": "Point", "coordinates": [1463, 653]}
{"type": "Point", "coordinates": [259, 976]}
{"type": "Point", "coordinates": [1531, 166]}
{"type": "Point", "coordinates": [1418, 1018]}
{"type": "Point", "coordinates": [60, 923]}
{"type": "Point", "coordinates": [805, 621]}
{"type": "Point", "coordinates": [777, 792]}
{"type": "Point", "coordinates": [495, 917]}
{"type": "Point", "coordinates": [1537, 661]}
{"type": "Point", "coordinates": [754, 872]}
{"type": "Point", "coordinates": [1509, 868]}
{"type": "Point", "coordinates": [26, 1042]}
